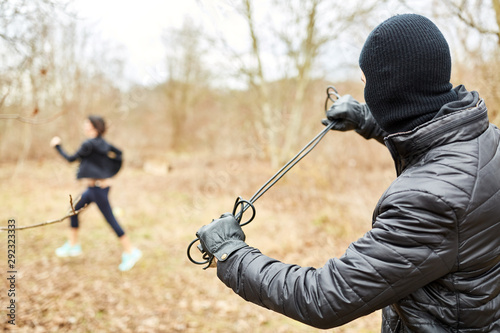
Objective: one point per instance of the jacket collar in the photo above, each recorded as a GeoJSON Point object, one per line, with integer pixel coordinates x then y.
{"type": "Point", "coordinates": [463, 125]}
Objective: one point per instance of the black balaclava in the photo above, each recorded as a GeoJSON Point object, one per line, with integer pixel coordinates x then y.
{"type": "Point", "coordinates": [407, 64]}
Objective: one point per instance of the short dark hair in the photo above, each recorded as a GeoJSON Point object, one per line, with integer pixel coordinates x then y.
{"type": "Point", "coordinates": [98, 123]}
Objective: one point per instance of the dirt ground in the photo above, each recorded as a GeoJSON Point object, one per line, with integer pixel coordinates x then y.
{"type": "Point", "coordinates": [309, 216]}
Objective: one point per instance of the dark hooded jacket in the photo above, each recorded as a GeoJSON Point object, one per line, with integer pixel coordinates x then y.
{"type": "Point", "coordinates": [98, 159]}
{"type": "Point", "coordinates": [432, 258]}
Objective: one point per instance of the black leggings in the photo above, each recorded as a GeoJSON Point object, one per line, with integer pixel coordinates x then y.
{"type": "Point", "coordinates": [100, 197]}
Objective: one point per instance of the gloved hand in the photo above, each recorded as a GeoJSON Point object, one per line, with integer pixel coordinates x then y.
{"type": "Point", "coordinates": [222, 237]}
{"type": "Point", "coordinates": [349, 115]}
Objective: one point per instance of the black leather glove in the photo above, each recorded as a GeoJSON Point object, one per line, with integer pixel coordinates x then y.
{"type": "Point", "coordinates": [349, 115]}
{"type": "Point", "coordinates": [222, 237]}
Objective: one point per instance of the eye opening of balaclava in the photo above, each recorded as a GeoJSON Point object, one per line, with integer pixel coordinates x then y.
{"type": "Point", "coordinates": [407, 64]}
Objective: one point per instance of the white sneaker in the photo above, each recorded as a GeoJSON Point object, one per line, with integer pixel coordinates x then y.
{"type": "Point", "coordinates": [69, 251]}
{"type": "Point", "coordinates": [129, 260]}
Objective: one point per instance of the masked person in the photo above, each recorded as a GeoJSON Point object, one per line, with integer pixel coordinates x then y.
{"type": "Point", "coordinates": [99, 162]}
{"type": "Point", "coordinates": [432, 258]}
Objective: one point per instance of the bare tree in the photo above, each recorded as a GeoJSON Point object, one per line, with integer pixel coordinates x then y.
{"type": "Point", "coordinates": [50, 69]}
{"type": "Point", "coordinates": [26, 33]}
{"type": "Point", "coordinates": [295, 39]}
{"type": "Point", "coordinates": [187, 77]}
{"type": "Point", "coordinates": [475, 26]}
{"type": "Point", "coordinates": [474, 13]}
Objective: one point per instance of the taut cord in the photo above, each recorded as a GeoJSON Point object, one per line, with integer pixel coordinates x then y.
{"type": "Point", "coordinates": [243, 205]}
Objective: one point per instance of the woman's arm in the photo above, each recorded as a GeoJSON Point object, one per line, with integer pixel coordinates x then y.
{"type": "Point", "coordinates": [84, 150]}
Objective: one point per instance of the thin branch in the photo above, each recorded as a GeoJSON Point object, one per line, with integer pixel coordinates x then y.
{"type": "Point", "coordinates": [72, 212]}
{"type": "Point", "coordinates": [32, 121]}
{"type": "Point", "coordinates": [4, 98]}
{"type": "Point", "coordinates": [470, 23]}
{"type": "Point", "coordinates": [465, 16]}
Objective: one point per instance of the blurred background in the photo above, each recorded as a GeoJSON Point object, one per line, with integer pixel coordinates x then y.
{"type": "Point", "coordinates": [207, 99]}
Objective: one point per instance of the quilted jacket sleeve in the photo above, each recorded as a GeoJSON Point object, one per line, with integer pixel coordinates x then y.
{"type": "Point", "coordinates": [406, 249]}
{"type": "Point", "coordinates": [84, 150]}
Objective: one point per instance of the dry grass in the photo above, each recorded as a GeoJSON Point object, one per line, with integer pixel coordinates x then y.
{"type": "Point", "coordinates": [310, 216]}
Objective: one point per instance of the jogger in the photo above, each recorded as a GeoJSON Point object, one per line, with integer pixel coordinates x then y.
{"type": "Point", "coordinates": [99, 161]}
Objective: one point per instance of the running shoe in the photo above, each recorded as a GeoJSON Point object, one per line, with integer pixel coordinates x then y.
{"type": "Point", "coordinates": [129, 259]}
{"type": "Point", "coordinates": [69, 251]}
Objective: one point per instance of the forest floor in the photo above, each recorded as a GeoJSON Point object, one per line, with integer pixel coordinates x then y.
{"type": "Point", "coordinates": [308, 217]}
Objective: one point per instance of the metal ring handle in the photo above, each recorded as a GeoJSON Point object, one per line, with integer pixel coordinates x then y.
{"type": "Point", "coordinates": [241, 203]}
{"type": "Point", "coordinates": [331, 91]}
{"type": "Point", "coordinates": [191, 258]}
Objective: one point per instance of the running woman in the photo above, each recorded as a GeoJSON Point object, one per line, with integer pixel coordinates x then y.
{"type": "Point", "coordinates": [99, 161]}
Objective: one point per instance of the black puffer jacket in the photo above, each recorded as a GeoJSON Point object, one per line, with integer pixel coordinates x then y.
{"type": "Point", "coordinates": [98, 159]}
{"type": "Point", "coordinates": [432, 258]}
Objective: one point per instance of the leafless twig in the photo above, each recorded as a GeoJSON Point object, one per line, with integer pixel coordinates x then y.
{"type": "Point", "coordinates": [4, 98]}
{"type": "Point", "coordinates": [31, 120]}
{"type": "Point", "coordinates": [462, 12]}
{"type": "Point", "coordinates": [71, 204]}
{"type": "Point", "coordinates": [72, 212]}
